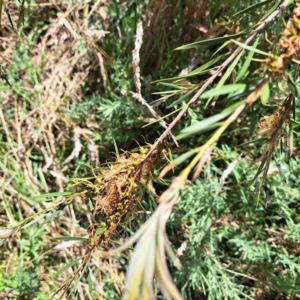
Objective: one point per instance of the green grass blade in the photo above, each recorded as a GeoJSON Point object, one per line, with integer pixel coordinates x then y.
{"type": "Point", "coordinates": [262, 165]}
{"type": "Point", "coordinates": [186, 95]}
{"type": "Point", "coordinates": [183, 157]}
{"type": "Point", "coordinates": [250, 48]}
{"type": "Point", "coordinates": [226, 76]}
{"type": "Point", "coordinates": [280, 170]}
{"type": "Point", "coordinates": [206, 124]}
{"type": "Point", "coordinates": [245, 67]}
{"type": "Point", "coordinates": [1, 5]}
{"type": "Point", "coordinates": [69, 265]}
{"type": "Point", "coordinates": [21, 14]}
{"type": "Point", "coordinates": [252, 142]}
{"type": "Point", "coordinates": [223, 90]}
{"type": "Point", "coordinates": [211, 42]}
{"type": "Point", "coordinates": [251, 7]}
{"type": "Point", "coordinates": [69, 238]}
{"type": "Point", "coordinates": [272, 9]}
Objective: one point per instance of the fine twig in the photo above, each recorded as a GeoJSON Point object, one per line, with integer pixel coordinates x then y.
{"type": "Point", "coordinates": [226, 63]}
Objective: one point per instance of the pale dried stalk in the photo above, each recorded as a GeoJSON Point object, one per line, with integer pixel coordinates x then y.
{"type": "Point", "coordinates": [137, 78]}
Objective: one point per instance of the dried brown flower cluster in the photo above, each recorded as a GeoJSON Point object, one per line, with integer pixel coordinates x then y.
{"type": "Point", "coordinates": [117, 190]}
{"type": "Point", "coordinates": [272, 126]}
{"type": "Point", "coordinates": [289, 44]}
{"type": "Point", "coordinates": [269, 124]}
{"type": "Point", "coordinates": [291, 38]}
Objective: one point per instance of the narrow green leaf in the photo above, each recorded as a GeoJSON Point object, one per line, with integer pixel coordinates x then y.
{"type": "Point", "coordinates": [225, 77]}
{"type": "Point", "coordinates": [69, 265]}
{"type": "Point", "coordinates": [56, 194]}
{"type": "Point", "coordinates": [250, 48]}
{"type": "Point", "coordinates": [252, 142]}
{"type": "Point", "coordinates": [166, 92]}
{"type": "Point", "coordinates": [291, 136]}
{"type": "Point", "coordinates": [183, 157]}
{"type": "Point", "coordinates": [21, 14]}
{"type": "Point", "coordinates": [221, 47]}
{"type": "Point", "coordinates": [35, 220]}
{"type": "Point", "coordinates": [273, 8]}
{"type": "Point", "coordinates": [176, 86]}
{"type": "Point", "coordinates": [294, 107]}
{"type": "Point", "coordinates": [206, 129]}
{"type": "Point", "coordinates": [202, 69]}
{"type": "Point", "coordinates": [8, 16]}
{"type": "Point", "coordinates": [245, 67]}
{"type": "Point", "coordinates": [202, 125]}
{"type": "Point", "coordinates": [116, 148]}
{"type": "Point", "coordinates": [50, 218]}
{"type": "Point", "coordinates": [223, 90]}
{"type": "Point", "coordinates": [251, 7]}
{"type": "Point", "coordinates": [279, 127]}
{"type": "Point", "coordinates": [211, 42]}
{"type": "Point", "coordinates": [234, 106]}
{"type": "Point", "coordinates": [293, 86]}
{"type": "Point", "coordinates": [280, 170]}
{"type": "Point", "coordinates": [262, 165]}
{"type": "Point", "coordinates": [165, 116]}
{"type": "Point", "coordinates": [1, 4]}
{"type": "Point", "coordinates": [265, 94]}
{"type": "Point", "coordinates": [186, 95]}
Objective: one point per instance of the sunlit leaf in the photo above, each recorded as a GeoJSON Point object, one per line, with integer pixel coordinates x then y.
{"type": "Point", "coordinates": [241, 74]}
{"type": "Point", "coordinates": [69, 265]}
{"type": "Point", "coordinates": [206, 124]}
{"type": "Point", "coordinates": [265, 94]}
{"type": "Point", "coordinates": [223, 90]}
{"type": "Point", "coordinates": [225, 77]}
{"type": "Point", "coordinates": [250, 48]}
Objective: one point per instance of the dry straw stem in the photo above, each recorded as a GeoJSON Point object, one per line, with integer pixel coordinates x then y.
{"type": "Point", "coordinates": [226, 63]}
{"type": "Point", "coordinates": [137, 78]}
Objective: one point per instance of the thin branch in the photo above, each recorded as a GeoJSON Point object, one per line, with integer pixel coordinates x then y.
{"type": "Point", "coordinates": [257, 31]}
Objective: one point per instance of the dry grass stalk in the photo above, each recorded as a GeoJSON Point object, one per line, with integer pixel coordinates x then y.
{"type": "Point", "coordinates": [137, 78]}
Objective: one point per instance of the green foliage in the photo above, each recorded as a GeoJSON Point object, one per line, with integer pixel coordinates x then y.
{"type": "Point", "coordinates": [66, 106]}
{"type": "Point", "coordinates": [234, 245]}
{"type": "Point", "coordinates": [22, 278]}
